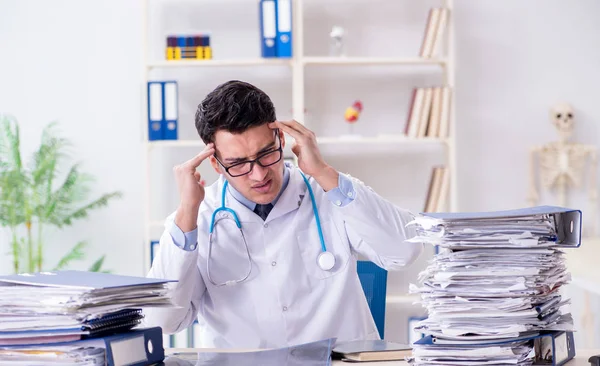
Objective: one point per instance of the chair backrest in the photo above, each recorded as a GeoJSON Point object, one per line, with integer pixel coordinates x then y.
{"type": "Point", "coordinates": [374, 283]}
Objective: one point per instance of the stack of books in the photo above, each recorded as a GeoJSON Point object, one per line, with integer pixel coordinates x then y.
{"type": "Point", "coordinates": [492, 293]}
{"type": "Point", "coordinates": [76, 315]}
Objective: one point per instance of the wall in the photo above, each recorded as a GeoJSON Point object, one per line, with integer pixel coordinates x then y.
{"type": "Point", "coordinates": [80, 62]}
{"type": "Point", "coordinates": [513, 63]}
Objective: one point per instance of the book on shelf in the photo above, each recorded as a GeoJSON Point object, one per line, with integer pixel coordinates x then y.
{"type": "Point", "coordinates": [437, 193]}
{"type": "Point", "coordinates": [429, 112]}
{"type": "Point", "coordinates": [435, 31]}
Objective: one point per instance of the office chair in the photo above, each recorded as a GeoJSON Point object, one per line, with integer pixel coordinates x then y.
{"type": "Point", "coordinates": [374, 283]}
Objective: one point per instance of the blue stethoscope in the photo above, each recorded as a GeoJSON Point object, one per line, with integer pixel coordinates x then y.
{"type": "Point", "coordinates": [325, 259]}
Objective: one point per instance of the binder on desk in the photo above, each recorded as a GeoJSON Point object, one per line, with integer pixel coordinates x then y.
{"type": "Point", "coordinates": [135, 348]}
{"type": "Point", "coordinates": [84, 280]}
{"type": "Point", "coordinates": [268, 28]}
{"type": "Point", "coordinates": [566, 221]}
{"type": "Point", "coordinates": [284, 28]}
{"type": "Point", "coordinates": [162, 110]}
{"type": "Point", "coordinates": [551, 348]}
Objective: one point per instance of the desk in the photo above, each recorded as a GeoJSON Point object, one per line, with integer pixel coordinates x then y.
{"type": "Point", "coordinates": [581, 359]}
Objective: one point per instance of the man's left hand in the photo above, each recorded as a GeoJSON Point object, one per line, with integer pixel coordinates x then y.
{"type": "Point", "coordinates": [306, 149]}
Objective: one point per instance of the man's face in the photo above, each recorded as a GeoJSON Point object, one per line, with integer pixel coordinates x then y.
{"type": "Point", "coordinates": [261, 184]}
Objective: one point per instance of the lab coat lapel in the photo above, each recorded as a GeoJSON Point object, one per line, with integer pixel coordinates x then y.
{"type": "Point", "coordinates": [291, 197]}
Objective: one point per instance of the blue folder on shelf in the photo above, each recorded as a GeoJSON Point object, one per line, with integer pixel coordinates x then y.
{"type": "Point", "coordinates": [284, 28]}
{"type": "Point", "coordinates": [162, 110]}
{"type": "Point", "coordinates": [268, 28]}
{"type": "Point", "coordinates": [154, 246]}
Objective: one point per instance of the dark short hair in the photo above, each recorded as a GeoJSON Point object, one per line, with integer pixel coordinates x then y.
{"type": "Point", "coordinates": [234, 106]}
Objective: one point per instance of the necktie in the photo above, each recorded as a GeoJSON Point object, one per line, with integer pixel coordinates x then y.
{"type": "Point", "coordinates": [263, 210]}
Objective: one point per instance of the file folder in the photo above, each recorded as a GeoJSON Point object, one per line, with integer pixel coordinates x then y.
{"type": "Point", "coordinates": [268, 28]}
{"type": "Point", "coordinates": [111, 323]}
{"type": "Point", "coordinates": [163, 111]}
{"type": "Point", "coordinates": [182, 339]}
{"type": "Point", "coordinates": [567, 222]}
{"type": "Point", "coordinates": [135, 348]}
{"type": "Point", "coordinates": [195, 335]}
{"type": "Point", "coordinates": [284, 28]}
{"type": "Point", "coordinates": [551, 348]}
{"type": "Point", "coordinates": [154, 246]}
{"type": "Point", "coordinates": [80, 279]}
{"type": "Point", "coordinates": [155, 111]}
{"type": "Point", "coordinates": [170, 110]}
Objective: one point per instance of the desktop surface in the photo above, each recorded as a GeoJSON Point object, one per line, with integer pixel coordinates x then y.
{"type": "Point", "coordinates": [209, 356]}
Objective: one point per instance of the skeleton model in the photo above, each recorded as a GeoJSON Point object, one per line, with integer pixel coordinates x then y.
{"type": "Point", "coordinates": [562, 163]}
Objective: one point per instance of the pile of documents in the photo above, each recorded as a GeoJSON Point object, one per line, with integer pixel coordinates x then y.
{"type": "Point", "coordinates": [66, 306]}
{"type": "Point", "coordinates": [495, 285]}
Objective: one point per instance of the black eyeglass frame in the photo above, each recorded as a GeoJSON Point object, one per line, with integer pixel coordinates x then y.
{"type": "Point", "coordinates": [257, 160]}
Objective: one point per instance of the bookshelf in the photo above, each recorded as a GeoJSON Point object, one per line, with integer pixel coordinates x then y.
{"type": "Point", "coordinates": [296, 69]}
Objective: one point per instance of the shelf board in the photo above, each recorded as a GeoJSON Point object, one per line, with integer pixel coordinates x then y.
{"type": "Point", "coordinates": [317, 60]}
{"type": "Point", "coordinates": [581, 263]}
{"type": "Point", "coordinates": [351, 140]}
{"type": "Point", "coordinates": [395, 139]}
{"type": "Point", "coordinates": [371, 61]}
{"type": "Point", "coordinates": [156, 223]}
{"type": "Point", "coordinates": [216, 63]}
{"type": "Point", "coordinates": [175, 143]}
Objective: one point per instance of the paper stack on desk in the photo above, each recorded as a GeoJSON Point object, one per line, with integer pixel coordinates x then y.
{"type": "Point", "coordinates": [495, 284]}
{"type": "Point", "coordinates": [57, 307]}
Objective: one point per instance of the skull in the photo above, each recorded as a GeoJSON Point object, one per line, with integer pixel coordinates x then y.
{"type": "Point", "coordinates": [563, 119]}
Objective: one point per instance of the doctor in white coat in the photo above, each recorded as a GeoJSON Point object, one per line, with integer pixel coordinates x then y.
{"type": "Point", "coordinates": [267, 282]}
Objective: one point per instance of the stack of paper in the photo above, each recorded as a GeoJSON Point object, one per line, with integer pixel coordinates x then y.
{"type": "Point", "coordinates": [494, 284]}
{"type": "Point", "coordinates": [62, 306]}
{"type": "Point", "coordinates": [63, 355]}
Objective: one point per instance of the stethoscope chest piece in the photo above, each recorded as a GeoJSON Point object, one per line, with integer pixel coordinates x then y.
{"type": "Point", "coordinates": [326, 260]}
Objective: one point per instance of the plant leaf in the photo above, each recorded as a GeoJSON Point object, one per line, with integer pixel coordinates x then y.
{"type": "Point", "coordinates": [13, 180]}
{"type": "Point", "coordinates": [43, 168]}
{"type": "Point", "coordinates": [75, 254]}
{"type": "Point", "coordinates": [82, 212]}
{"type": "Point", "coordinates": [97, 265]}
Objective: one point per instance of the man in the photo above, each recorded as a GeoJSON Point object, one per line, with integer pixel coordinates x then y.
{"type": "Point", "coordinates": [267, 285]}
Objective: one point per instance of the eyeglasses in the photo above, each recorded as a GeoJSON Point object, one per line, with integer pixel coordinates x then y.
{"type": "Point", "coordinates": [265, 159]}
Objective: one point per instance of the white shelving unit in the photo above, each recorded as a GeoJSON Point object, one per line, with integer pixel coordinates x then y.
{"type": "Point", "coordinates": [298, 64]}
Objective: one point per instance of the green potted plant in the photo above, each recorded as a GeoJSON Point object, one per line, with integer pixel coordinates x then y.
{"type": "Point", "coordinates": [34, 197]}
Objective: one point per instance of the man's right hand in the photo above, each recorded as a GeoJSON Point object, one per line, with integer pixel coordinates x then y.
{"type": "Point", "coordinates": [191, 191]}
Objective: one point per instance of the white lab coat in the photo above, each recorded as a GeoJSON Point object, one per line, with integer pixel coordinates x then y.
{"type": "Point", "coordinates": [287, 298]}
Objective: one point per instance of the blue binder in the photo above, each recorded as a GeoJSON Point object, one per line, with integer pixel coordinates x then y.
{"type": "Point", "coordinates": [268, 28]}
{"type": "Point", "coordinates": [135, 348]}
{"type": "Point", "coordinates": [567, 221]}
{"type": "Point", "coordinates": [284, 28]}
{"type": "Point", "coordinates": [155, 111]}
{"type": "Point", "coordinates": [171, 113]}
{"type": "Point", "coordinates": [154, 245]}
{"type": "Point", "coordinates": [551, 348]}
{"type": "Point", "coordinates": [163, 111]}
